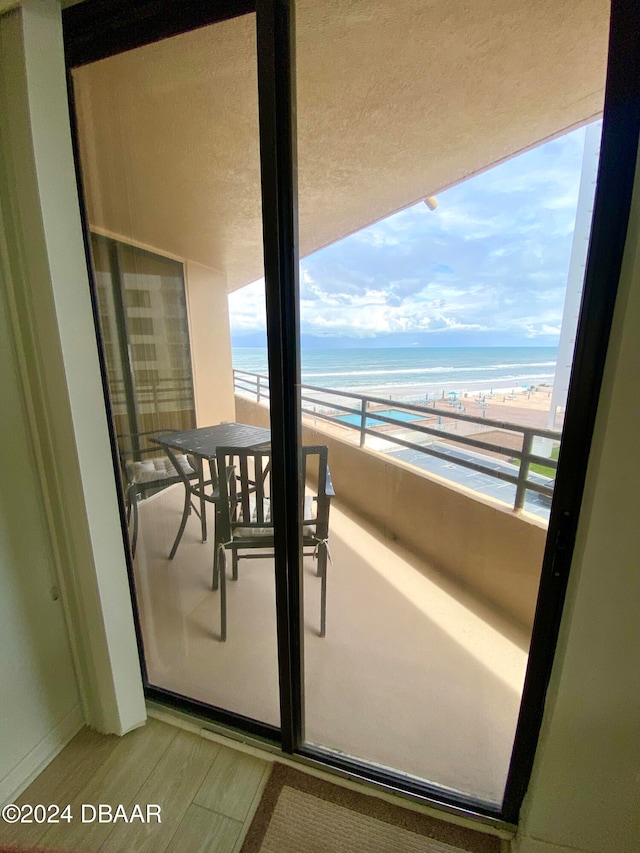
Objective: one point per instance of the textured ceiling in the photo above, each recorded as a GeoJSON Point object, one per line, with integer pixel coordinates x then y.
{"type": "Point", "coordinates": [395, 102]}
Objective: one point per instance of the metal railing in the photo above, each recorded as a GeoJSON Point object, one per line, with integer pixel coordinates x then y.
{"type": "Point", "coordinates": [155, 395]}
{"type": "Point", "coordinates": [435, 423]}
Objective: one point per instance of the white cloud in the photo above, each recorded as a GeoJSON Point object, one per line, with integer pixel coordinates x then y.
{"type": "Point", "coordinates": [493, 256]}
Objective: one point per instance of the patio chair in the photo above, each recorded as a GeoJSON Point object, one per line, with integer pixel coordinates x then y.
{"type": "Point", "coordinates": [146, 470]}
{"type": "Point", "coordinates": [244, 522]}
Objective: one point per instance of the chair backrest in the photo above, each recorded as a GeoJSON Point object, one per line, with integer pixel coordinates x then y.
{"type": "Point", "coordinates": [244, 477]}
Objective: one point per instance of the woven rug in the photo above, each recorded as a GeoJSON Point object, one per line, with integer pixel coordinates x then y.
{"type": "Point", "coordinates": [301, 814]}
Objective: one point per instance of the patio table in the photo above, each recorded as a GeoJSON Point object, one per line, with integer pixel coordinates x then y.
{"type": "Point", "coordinates": [201, 444]}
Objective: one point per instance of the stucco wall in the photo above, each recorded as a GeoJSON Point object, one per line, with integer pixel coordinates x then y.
{"type": "Point", "coordinates": [395, 102]}
{"type": "Point", "coordinates": [210, 343]}
{"type": "Point", "coordinates": [491, 550]}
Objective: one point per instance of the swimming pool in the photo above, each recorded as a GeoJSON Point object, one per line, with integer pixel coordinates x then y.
{"type": "Point", "coordinates": [405, 417]}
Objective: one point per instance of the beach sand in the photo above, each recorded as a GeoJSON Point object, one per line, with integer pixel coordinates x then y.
{"type": "Point", "coordinates": [502, 402]}
{"type": "Point", "coordinates": [530, 409]}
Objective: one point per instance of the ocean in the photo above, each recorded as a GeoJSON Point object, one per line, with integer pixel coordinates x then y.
{"type": "Point", "coordinates": [412, 372]}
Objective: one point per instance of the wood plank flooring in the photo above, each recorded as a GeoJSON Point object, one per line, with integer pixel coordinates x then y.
{"type": "Point", "coordinates": [207, 793]}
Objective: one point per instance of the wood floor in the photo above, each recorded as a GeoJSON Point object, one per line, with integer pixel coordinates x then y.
{"type": "Point", "coordinates": [207, 793]}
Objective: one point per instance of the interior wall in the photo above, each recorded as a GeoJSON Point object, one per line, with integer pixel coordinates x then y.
{"type": "Point", "coordinates": [585, 789]}
{"type": "Point", "coordinates": [46, 284]}
{"type": "Point", "coordinates": [40, 708]}
{"type": "Point", "coordinates": [210, 339]}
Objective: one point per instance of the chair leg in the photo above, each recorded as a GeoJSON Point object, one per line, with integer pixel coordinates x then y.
{"type": "Point", "coordinates": [234, 565]}
{"type": "Point", "coordinates": [216, 569]}
{"type": "Point", "coordinates": [216, 553]}
{"type": "Point", "coordinates": [185, 515]}
{"type": "Point", "coordinates": [134, 535]}
{"type": "Point", "coordinates": [203, 503]}
{"type": "Point", "coordinates": [222, 572]}
{"type": "Point", "coordinates": [322, 571]}
{"type": "Point", "coordinates": [203, 518]}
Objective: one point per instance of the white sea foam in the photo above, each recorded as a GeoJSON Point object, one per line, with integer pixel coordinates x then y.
{"type": "Point", "coordinates": [416, 370]}
{"type": "Point", "coordinates": [309, 374]}
{"type": "Point", "coordinates": [414, 389]}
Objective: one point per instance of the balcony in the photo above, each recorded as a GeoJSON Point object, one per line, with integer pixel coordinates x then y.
{"type": "Point", "coordinates": [431, 595]}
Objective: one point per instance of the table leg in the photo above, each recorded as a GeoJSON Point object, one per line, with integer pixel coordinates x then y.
{"type": "Point", "coordinates": [203, 503]}
{"type": "Point", "coordinates": [185, 516]}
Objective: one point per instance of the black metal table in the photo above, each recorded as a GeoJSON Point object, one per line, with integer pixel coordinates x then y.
{"type": "Point", "coordinates": [201, 444]}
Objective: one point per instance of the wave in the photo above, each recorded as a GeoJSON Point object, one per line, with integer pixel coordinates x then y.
{"type": "Point", "coordinates": [504, 381]}
{"type": "Point", "coordinates": [309, 374]}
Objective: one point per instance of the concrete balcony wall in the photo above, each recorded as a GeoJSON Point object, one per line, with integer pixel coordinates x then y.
{"type": "Point", "coordinates": [210, 341]}
{"type": "Point", "coordinates": [488, 548]}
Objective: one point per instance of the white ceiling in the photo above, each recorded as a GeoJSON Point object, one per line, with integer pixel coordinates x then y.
{"type": "Point", "coordinates": [395, 102]}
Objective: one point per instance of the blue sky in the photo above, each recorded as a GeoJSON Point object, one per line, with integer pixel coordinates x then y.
{"type": "Point", "coordinates": [488, 267]}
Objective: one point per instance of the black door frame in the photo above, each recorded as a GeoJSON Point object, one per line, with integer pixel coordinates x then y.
{"type": "Point", "coordinates": [96, 29]}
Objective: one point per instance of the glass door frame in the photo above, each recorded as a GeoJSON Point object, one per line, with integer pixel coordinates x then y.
{"type": "Point", "coordinates": [94, 31]}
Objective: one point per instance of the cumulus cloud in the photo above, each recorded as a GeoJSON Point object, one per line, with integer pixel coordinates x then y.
{"type": "Point", "coordinates": [492, 258]}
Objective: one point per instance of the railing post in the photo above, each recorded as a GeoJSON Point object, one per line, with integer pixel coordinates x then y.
{"type": "Point", "coordinates": [363, 421]}
{"type": "Point", "coordinates": [523, 471]}
{"type": "Point", "coordinates": [154, 396]}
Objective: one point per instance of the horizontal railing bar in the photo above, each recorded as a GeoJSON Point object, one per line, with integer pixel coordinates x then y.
{"type": "Point", "coordinates": [544, 460]}
{"type": "Point", "coordinates": [513, 479]}
{"type": "Point", "coordinates": [506, 451]}
{"type": "Point", "coordinates": [436, 433]}
{"type": "Point", "coordinates": [414, 407]}
{"type": "Point", "coordinates": [540, 488]}
{"type": "Point", "coordinates": [448, 457]}
{"type": "Point", "coordinates": [464, 463]}
{"type": "Point", "coordinates": [427, 413]}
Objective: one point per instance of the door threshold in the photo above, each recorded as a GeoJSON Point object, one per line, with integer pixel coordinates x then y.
{"type": "Point", "coordinates": [252, 745]}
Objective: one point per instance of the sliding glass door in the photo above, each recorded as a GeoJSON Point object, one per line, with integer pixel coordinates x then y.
{"type": "Point", "coordinates": [432, 302]}
{"type": "Point", "coordinates": [169, 150]}
{"type": "Point", "coordinates": [361, 550]}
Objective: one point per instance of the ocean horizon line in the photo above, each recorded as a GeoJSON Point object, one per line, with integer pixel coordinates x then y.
{"type": "Point", "coordinates": [412, 347]}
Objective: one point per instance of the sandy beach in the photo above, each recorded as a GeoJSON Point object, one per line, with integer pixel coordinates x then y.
{"type": "Point", "coordinates": [504, 401]}
{"type": "Point", "coordinates": [418, 393]}
{"type": "Point", "coordinates": [526, 409]}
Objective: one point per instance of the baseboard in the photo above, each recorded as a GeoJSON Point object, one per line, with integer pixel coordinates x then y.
{"type": "Point", "coordinates": [34, 762]}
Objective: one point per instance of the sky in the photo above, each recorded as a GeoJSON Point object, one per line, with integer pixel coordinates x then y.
{"type": "Point", "coordinates": [488, 267]}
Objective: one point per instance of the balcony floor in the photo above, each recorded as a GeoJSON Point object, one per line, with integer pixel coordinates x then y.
{"type": "Point", "coordinates": [413, 673]}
